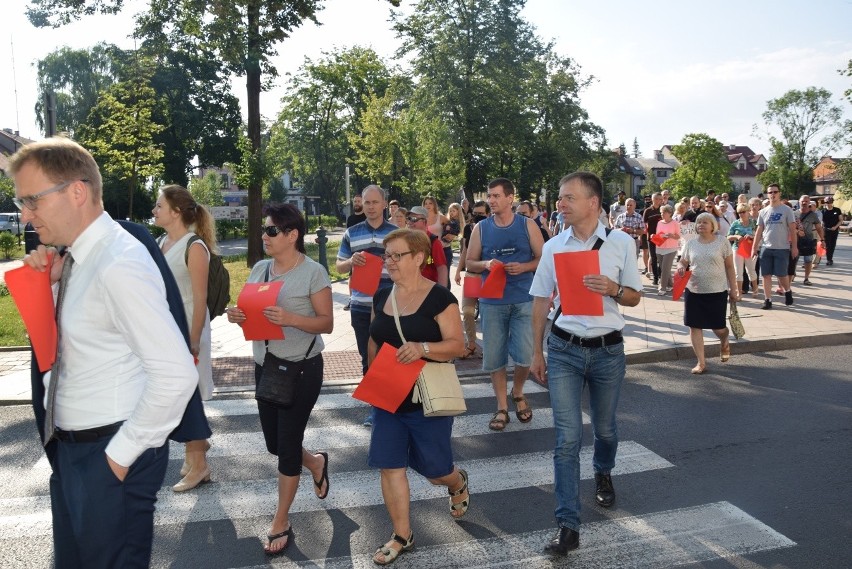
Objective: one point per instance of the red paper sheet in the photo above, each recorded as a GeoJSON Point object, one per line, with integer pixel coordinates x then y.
{"type": "Point", "coordinates": [679, 284]}
{"type": "Point", "coordinates": [657, 239]}
{"type": "Point", "coordinates": [387, 381]}
{"type": "Point", "coordinates": [744, 248]}
{"type": "Point", "coordinates": [495, 283]}
{"type": "Point", "coordinates": [574, 297]}
{"type": "Point", "coordinates": [820, 249]}
{"type": "Point", "coordinates": [252, 300]}
{"type": "Point", "coordinates": [365, 278]}
{"type": "Point", "coordinates": [34, 298]}
{"type": "Point", "coordinates": [472, 286]}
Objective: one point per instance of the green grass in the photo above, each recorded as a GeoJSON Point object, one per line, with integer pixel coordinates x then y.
{"type": "Point", "coordinates": [13, 333]}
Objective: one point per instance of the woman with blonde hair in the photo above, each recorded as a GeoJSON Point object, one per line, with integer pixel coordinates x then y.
{"type": "Point", "coordinates": [712, 283]}
{"type": "Point", "coordinates": [189, 239]}
{"type": "Point", "coordinates": [450, 232]}
{"type": "Point", "coordinates": [435, 220]}
{"type": "Point", "coordinates": [430, 321]}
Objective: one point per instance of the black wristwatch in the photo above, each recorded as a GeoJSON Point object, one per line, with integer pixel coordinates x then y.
{"type": "Point", "coordinates": [618, 295]}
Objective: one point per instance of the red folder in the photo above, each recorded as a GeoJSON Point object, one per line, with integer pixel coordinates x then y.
{"type": "Point", "coordinates": [820, 249]}
{"type": "Point", "coordinates": [252, 300]}
{"type": "Point", "coordinates": [33, 296]}
{"type": "Point", "coordinates": [495, 283]}
{"type": "Point", "coordinates": [679, 284]}
{"type": "Point", "coordinates": [574, 297]}
{"type": "Point", "coordinates": [387, 381]}
{"type": "Point", "coordinates": [472, 286]}
{"type": "Point", "coordinates": [744, 247]}
{"type": "Point", "coordinates": [365, 278]}
{"type": "Point", "coordinates": [657, 239]}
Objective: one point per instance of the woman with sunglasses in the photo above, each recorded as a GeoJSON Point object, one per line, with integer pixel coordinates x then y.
{"type": "Point", "coordinates": [429, 317]}
{"type": "Point", "coordinates": [190, 236]}
{"type": "Point", "coordinates": [722, 224]}
{"type": "Point", "coordinates": [303, 309]}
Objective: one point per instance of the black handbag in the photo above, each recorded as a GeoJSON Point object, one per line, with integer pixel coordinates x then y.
{"type": "Point", "coordinates": [278, 379]}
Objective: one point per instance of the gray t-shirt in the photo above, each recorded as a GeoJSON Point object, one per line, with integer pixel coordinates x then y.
{"type": "Point", "coordinates": [809, 222]}
{"type": "Point", "coordinates": [308, 278]}
{"type": "Point", "coordinates": [775, 222]}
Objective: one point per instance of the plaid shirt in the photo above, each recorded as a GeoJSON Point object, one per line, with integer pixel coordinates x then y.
{"type": "Point", "coordinates": [633, 221]}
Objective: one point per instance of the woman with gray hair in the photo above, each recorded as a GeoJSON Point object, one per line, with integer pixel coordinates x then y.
{"type": "Point", "coordinates": [669, 229]}
{"type": "Point", "coordinates": [741, 232]}
{"type": "Point", "coordinates": [710, 259]}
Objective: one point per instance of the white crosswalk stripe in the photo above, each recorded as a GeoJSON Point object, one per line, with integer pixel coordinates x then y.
{"type": "Point", "coordinates": [661, 539]}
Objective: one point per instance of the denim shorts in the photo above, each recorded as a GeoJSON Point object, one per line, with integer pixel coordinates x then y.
{"type": "Point", "coordinates": [506, 331]}
{"type": "Point", "coordinates": [401, 440]}
{"type": "Point", "coordinates": [808, 258]}
{"type": "Point", "coordinates": [774, 262]}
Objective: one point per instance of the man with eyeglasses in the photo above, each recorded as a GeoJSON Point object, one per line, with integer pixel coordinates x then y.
{"type": "Point", "coordinates": [776, 232]}
{"type": "Point", "coordinates": [365, 237]}
{"type": "Point", "coordinates": [436, 268]}
{"type": "Point", "coordinates": [123, 373]}
{"type": "Point", "coordinates": [512, 241]}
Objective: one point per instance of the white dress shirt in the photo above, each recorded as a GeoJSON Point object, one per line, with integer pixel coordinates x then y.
{"type": "Point", "coordinates": [617, 261]}
{"type": "Point", "coordinates": [123, 356]}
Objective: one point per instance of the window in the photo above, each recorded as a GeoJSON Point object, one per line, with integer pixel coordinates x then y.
{"type": "Point", "coordinates": [661, 174]}
{"type": "Point", "coordinates": [747, 188]}
{"type": "Point", "coordinates": [741, 166]}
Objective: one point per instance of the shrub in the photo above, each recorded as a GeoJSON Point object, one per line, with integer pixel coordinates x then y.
{"type": "Point", "coordinates": [8, 244]}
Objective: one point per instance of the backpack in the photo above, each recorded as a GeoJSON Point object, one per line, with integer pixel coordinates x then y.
{"type": "Point", "coordinates": [218, 282]}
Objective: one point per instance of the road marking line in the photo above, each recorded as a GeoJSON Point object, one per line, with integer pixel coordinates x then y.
{"type": "Point", "coordinates": [251, 498]}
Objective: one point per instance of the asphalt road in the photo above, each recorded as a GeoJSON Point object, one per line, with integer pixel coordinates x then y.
{"type": "Point", "coordinates": [749, 468]}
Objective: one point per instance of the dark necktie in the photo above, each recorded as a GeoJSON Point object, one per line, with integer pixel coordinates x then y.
{"type": "Point", "coordinates": [49, 426]}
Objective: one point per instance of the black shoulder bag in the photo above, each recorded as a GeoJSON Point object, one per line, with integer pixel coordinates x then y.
{"type": "Point", "coordinates": [278, 378]}
{"type": "Point", "coordinates": [806, 244]}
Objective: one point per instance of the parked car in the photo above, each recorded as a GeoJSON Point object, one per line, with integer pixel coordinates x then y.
{"type": "Point", "coordinates": [11, 222]}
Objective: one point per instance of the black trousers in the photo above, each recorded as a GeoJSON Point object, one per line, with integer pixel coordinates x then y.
{"type": "Point", "coordinates": [830, 243]}
{"type": "Point", "coordinates": [655, 266]}
{"type": "Point", "coordinates": [284, 428]}
{"type": "Point", "coordinates": [98, 521]}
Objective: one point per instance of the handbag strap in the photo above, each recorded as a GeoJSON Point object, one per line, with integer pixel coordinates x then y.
{"type": "Point", "coordinates": [266, 342]}
{"type": "Point", "coordinates": [396, 314]}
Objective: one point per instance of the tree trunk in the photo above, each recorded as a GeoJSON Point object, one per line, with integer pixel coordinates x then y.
{"type": "Point", "coordinates": [255, 198]}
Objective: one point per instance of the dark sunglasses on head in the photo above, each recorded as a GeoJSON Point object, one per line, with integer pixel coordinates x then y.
{"type": "Point", "coordinates": [273, 230]}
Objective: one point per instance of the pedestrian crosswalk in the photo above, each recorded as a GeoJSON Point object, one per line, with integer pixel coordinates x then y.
{"type": "Point", "coordinates": [510, 472]}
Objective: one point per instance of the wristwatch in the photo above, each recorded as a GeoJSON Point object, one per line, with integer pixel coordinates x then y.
{"type": "Point", "coordinates": [425, 348]}
{"type": "Point", "coordinates": [619, 294]}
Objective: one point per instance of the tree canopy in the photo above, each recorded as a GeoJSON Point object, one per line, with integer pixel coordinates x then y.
{"type": "Point", "coordinates": [703, 166]}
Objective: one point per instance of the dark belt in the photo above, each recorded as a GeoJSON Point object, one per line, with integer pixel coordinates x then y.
{"type": "Point", "coordinates": [88, 435]}
{"type": "Point", "coordinates": [597, 342]}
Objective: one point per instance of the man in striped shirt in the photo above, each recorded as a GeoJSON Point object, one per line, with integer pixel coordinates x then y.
{"type": "Point", "coordinates": [631, 222]}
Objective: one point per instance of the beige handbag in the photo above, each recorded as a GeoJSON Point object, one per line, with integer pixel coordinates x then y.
{"type": "Point", "coordinates": [437, 387]}
{"type": "Point", "coordinates": [737, 328]}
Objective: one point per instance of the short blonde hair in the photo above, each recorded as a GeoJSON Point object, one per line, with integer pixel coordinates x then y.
{"type": "Point", "coordinates": [712, 219]}
{"type": "Point", "coordinates": [417, 241]}
{"type": "Point", "coordinates": [62, 160]}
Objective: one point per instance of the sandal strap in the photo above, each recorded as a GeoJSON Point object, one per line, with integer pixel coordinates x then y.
{"type": "Point", "coordinates": [461, 490]}
{"type": "Point", "coordinates": [463, 505]}
{"type": "Point", "coordinates": [402, 541]}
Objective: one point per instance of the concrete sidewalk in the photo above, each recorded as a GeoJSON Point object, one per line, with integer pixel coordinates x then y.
{"type": "Point", "coordinates": [821, 316]}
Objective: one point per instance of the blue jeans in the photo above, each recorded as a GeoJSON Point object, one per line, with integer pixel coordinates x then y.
{"type": "Point", "coordinates": [569, 368]}
{"type": "Point", "coordinates": [360, 316]}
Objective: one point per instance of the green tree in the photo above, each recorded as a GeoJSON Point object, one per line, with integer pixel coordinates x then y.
{"type": "Point", "coordinates": [120, 133]}
{"type": "Point", "coordinates": [703, 166]}
{"type": "Point", "coordinates": [77, 77]}
{"type": "Point", "coordinates": [324, 103]}
{"type": "Point", "coordinates": [207, 190]}
{"type": "Point", "coordinates": [604, 163]}
{"type": "Point", "coordinates": [7, 192]}
{"type": "Point", "coordinates": [243, 35]}
{"type": "Point", "coordinates": [808, 125]}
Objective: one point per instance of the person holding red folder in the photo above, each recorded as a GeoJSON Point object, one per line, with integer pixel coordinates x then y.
{"type": "Point", "coordinates": [583, 349]}
{"type": "Point", "coordinates": [429, 317]}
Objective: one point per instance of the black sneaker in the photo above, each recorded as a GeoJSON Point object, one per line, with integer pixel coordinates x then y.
{"type": "Point", "coordinates": [767, 304]}
{"type": "Point", "coordinates": [788, 297]}
{"type": "Point", "coordinates": [604, 492]}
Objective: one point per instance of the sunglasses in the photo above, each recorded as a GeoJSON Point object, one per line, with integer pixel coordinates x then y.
{"type": "Point", "coordinates": [414, 219]}
{"type": "Point", "coordinates": [273, 230]}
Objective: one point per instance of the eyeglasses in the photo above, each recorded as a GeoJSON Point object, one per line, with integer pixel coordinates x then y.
{"type": "Point", "coordinates": [773, 192]}
{"type": "Point", "coordinates": [414, 219]}
{"type": "Point", "coordinates": [395, 257]}
{"type": "Point", "coordinates": [31, 202]}
{"type": "Point", "coordinates": [274, 230]}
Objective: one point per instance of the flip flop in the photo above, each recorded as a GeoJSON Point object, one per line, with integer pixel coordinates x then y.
{"type": "Point", "coordinates": [323, 479]}
{"type": "Point", "coordinates": [288, 533]}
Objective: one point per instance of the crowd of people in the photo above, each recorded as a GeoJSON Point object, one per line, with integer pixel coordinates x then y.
{"type": "Point", "coordinates": [118, 389]}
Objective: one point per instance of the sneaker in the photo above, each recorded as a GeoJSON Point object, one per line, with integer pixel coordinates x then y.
{"type": "Point", "coordinates": [661, 292]}
{"type": "Point", "coordinates": [807, 282]}
{"type": "Point", "coordinates": [656, 282]}
{"type": "Point", "coordinates": [767, 304]}
{"type": "Point", "coordinates": [829, 263]}
{"type": "Point", "coordinates": [788, 297]}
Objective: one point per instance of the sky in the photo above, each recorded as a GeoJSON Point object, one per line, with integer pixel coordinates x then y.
{"type": "Point", "coordinates": [661, 69]}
